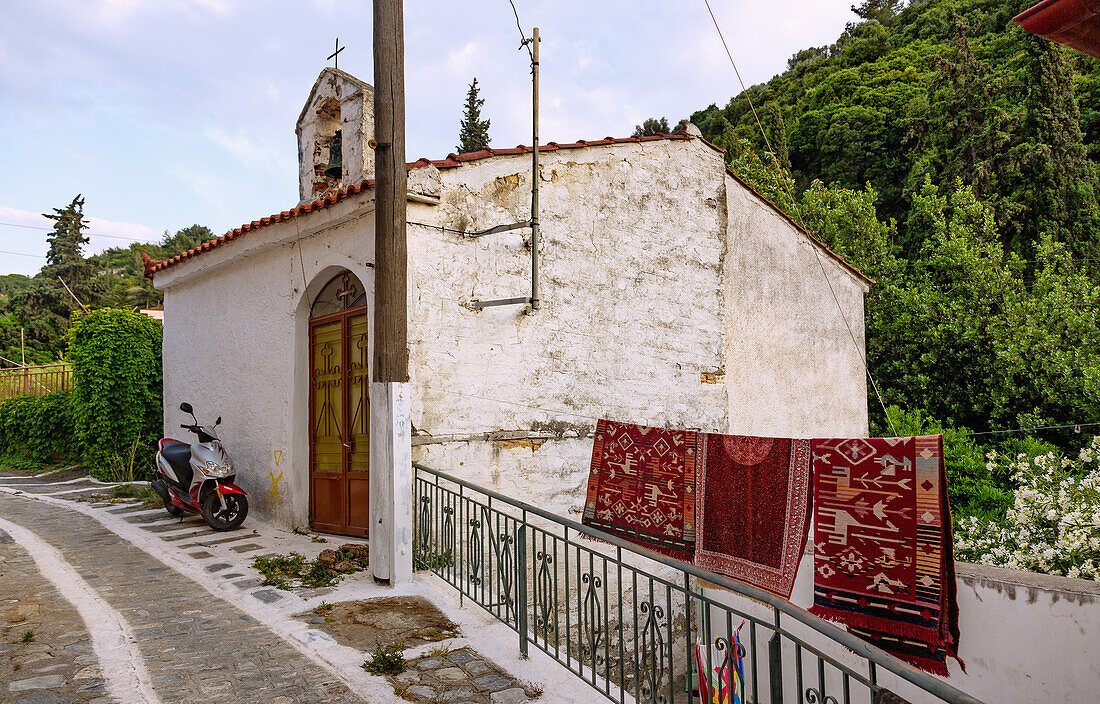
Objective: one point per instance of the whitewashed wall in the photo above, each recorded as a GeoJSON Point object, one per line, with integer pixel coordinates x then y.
{"type": "Point", "coordinates": [671, 296]}
{"type": "Point", "coordinates": [236, 343]}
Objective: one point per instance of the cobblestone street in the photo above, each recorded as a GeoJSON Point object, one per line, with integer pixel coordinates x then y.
{"type": "Point", "coordinates": [194, 645]}
{"type": "Point", "coordinates": [108, 601]}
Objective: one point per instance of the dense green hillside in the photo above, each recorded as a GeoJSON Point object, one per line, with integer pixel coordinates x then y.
{"type": "Point", "coordinates": [949, 88]}
{"type": "Point", "coordinates": [953, 157]}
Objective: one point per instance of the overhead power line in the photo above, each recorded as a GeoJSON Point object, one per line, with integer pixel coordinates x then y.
{"type": "Point", "coordinates": [23, 254]}
{"type": "Point", "coordinates": [87, 234]}
{"type": "Point", "coordinates": [798, 216]}
{"type": "Point", "coordinates": [1075, 426]}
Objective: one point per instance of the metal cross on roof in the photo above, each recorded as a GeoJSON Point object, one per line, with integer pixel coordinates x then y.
{"type": "Point", "coordinates": [334, 55]}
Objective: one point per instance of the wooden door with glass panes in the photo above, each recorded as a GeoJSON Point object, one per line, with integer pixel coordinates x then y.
{"type": "Point", "coordinates": [339, 433]}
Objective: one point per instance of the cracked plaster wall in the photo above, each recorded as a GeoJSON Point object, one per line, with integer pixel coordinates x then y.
{"type": "Point", "coordinates": [659, 306]}
{"type": "Point", "coordinates": [670, 297]}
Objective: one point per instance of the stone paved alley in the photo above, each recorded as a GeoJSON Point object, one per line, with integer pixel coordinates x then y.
{"type": "Point", "coordinates": [178, 615]}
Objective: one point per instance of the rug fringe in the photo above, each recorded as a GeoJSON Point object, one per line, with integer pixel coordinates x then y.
{"type": "Point", "coordinates": [873, 623]}
{"type": "Point", "coordinates": [934, 667]}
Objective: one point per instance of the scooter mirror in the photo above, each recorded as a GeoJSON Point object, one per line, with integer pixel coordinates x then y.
{"type": "Point", "coordinates": [218, 421]}
{"type": "Point", "coordinates": [186, 407]}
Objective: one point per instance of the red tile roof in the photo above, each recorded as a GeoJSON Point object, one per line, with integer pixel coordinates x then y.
{"type": "Point", "coordinates": [1075, 23]}
{"type": "Point", "coordinates": [454, 160]}
{"type": "Point", "coordinates": [152, 266]}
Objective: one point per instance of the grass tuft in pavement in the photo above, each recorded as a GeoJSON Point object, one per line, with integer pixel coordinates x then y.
{"type": "Point", "coordinates": [386, 659]}
{"type": "Point", "coordinates": [144, 493]}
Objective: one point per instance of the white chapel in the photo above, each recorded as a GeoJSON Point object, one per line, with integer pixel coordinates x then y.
{"type": "Point", "coordinates": [672, 295]}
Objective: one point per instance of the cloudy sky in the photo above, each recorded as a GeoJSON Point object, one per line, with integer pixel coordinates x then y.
{"type": "Point", "coordinates": [165, 113]}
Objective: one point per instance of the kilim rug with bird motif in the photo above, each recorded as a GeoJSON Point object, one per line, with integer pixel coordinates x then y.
{"type": "Point", "coordinates": [642, 486]}
{"type": "Point", "coordinates": [883, 560]}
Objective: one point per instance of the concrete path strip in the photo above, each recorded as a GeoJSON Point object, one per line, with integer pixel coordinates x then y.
{"type": "Point", "coordinates": [120, 661]}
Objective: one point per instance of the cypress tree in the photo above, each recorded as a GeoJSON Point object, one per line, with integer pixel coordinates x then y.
{"type": "Point", "coordinates": [776, 128]}
{"type": "Point", "coordinates": [1056, 186]}
{"type": "Point", "coordinates": [65, 257]}
{"type": "Point", "coordinates": [46, 305]}
{"type": "Point", "coordinates": [473, 132]}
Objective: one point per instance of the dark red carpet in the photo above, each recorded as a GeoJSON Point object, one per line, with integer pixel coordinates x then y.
{"type": "Point", "coordinates": [754, 509]}
{"type": "Point", "coordinates": [883, 560]}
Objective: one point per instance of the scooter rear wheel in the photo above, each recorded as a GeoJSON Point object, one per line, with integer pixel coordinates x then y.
{"type": "Point", "coordinates": [229, 518]}
{"type": "Point", "coordinates": [173, 510]}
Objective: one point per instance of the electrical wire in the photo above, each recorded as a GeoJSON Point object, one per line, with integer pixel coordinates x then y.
{"type": "Point", "coordinates": [441, 228]}
{"type": "Point", "coordinates": [798, 216]}
{"type": "Point", "coordinates": [1075, 426]}
{"type": "Point", "coordinates": [23, 254]}
{"type": "Point", "coordinates": [86, 234]}
{"type": "Point", "coordinates": [524, 41]}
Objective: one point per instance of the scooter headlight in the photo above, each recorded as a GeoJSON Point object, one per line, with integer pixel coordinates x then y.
{"type": "Point", "coordinates": [219, 470]}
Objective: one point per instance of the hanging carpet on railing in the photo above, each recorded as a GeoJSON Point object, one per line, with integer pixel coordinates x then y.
{"type": "Point", "coordinates": [883, 560]}
{"type": "Point", "coordinates": [753, 509]}
{"type": "Point", "coordinates": [642, 486]}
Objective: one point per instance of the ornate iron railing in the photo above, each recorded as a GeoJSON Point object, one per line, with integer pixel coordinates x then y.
{"type": "Point", "coordinates": [626, 619]}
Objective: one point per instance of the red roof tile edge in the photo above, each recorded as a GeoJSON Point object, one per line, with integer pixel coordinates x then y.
{"type": "Point", "coordinates": [152, 266]}
{"type": "Point", "coordinates": [1075, 23]}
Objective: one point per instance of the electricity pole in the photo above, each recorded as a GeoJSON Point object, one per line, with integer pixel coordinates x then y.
{"type": "Point", "coordinates": [390, 393]}
{"type": "Point", "coordinates": [391, 356]}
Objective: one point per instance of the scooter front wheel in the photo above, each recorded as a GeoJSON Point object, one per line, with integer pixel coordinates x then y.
{"type": "Point", "coordinates": [228, 518]}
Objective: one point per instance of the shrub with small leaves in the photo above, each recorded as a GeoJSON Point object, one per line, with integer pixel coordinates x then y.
{"type": "Point", "coordinates": [386, 659]}
{"type": "Point", "coordinates": [38, 427]}
{"type": "Point", "coordinates": [1054, 524]}
{"type": "Point", "coordinates": [117, 367]}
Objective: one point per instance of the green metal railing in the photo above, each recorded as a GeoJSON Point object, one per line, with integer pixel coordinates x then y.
{"type": "Point", "coordinates": [626, 619]}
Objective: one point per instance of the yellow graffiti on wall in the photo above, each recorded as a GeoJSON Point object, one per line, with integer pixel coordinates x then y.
{"type": "Point", "coordinates": [274, 493]}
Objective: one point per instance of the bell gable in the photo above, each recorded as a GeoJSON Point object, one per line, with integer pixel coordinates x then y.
{"type": "Point", "coordinates": [334, 130]}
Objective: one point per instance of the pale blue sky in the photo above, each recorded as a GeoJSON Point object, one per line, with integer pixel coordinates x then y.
{"type": "Point", "coordinates": [165, 113]}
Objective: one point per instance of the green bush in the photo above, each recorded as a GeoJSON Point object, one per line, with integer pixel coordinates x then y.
{"type": "Point", "coordinates": [38, 427]}
{"type": "Point", "coordinates": [116, 360]}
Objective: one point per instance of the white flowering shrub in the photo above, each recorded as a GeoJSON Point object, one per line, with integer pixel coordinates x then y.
{"type": "Point", "coordinates": [1054, 523]}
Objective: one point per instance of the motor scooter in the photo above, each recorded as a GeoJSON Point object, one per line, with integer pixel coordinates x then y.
{"type": "Point", "coordinates": [198, 478]}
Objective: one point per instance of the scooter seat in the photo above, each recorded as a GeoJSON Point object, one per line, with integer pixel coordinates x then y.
{"type": "Point", "coordinates": [178, 455]}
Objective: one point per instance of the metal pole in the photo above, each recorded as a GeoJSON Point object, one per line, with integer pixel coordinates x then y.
{"type": "Point", "coordinates": [521, 586]}
{"type": "Point", "coordinates": [535, 169]}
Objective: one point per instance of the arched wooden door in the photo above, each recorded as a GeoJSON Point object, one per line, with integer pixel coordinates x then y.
{"type": "Point", "coordinates": [339, 409]}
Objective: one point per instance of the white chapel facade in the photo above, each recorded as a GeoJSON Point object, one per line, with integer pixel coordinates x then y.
{"type": "Point", "coordinates": [671, 295]}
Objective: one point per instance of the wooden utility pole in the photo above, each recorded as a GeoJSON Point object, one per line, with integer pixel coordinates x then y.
{"type": "Point", "coordinates": [390, 393]}
{"type": "Point", "coordinates": [391, 349]}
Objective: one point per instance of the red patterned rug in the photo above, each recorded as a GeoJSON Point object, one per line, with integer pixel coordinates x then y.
{"type": "Point", "coordinates": [883, 560]}
{"type": "Point", "coordinates": [754, 509]}
{"type": "Point", "coordinates": [642, 486]}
